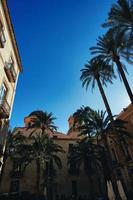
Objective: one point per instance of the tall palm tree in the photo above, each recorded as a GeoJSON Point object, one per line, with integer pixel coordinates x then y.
{"type": "Point", "coordinates": [117, 132]}
{"type": "Point", "coordinates": [110, 47]}
{"type": "Point", "coordinates": [52, 150]}
{"type": "Point", "coordinates": [42, 143]}
{"type": "Point", "coordinates": [97, 124]}
{"type": "Point", "coordinates": [99, 71]}
{"type": "Point", "coordinates": [45, 154]}
{"type": "Point", "coordinates": [86, 152]}
{"type": "Point", "coordinates": [94, 126]}
{"type": "Point", "coordinates": [100, 125]}
{"type": "Point", "coordinates": [120, 18]}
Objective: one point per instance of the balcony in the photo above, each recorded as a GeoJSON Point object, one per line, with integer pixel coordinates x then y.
{"type": "Point", "coordinates": [4, 109]}
{"type": "Point", "coordinates": [10, 72]}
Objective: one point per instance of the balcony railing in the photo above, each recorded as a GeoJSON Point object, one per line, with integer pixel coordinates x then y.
{"type": "Point", "coordinates": [10, 72]}
{"type": "Point", "coordinates": [4, 109]}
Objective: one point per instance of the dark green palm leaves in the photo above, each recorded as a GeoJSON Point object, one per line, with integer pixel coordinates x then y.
{"type": "Point", "coordinates": [120, 17]}
{"type": "Point", "coordinates": [44, 120]}
{"type": "Point", "coordinates": [95, 69]}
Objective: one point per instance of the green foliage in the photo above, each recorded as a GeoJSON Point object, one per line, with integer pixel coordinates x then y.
{"type": "Point", "coordinates": [87, 153]}
{"type": "Point", "coordinates": [96, 127]}
{"type": "Point", "coordinates": [44, 149]}
{"type": "Point", "coordinates": [92, 123]}
{"type": "Point", "coordinates": [111, 46]}
{"type": "Point", "coordinates": [120, 17]}
{"type": "Point", "coordinates": [95, 69]}
{"type": "Point", "coordinates": [43, 120]}
{"type": "Point", "coordinates": [120, 22]}
{"type": "Point", "coordinates": [17, 147]}
{"type": "Point", "coordinates": [38, 147]}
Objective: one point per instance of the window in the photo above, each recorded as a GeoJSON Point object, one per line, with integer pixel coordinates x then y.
{"type": "Point", "coordinates": [2, 35]}
{"type": "Point", "coordinates": [9, 70]}
{"type": "Point", "coordinates": [14, 187]}
{"type": "Point", "coordinates": [74, 188]}
{"type": "Point", "coordinates": [3, 93]}
{"type": "Point", "coordinates": [10, 64]}
{"type": "Point", "coordinates": [16, 166]}
{"type": "Point", "coordinates": [4, 106]}
{"type": "Point", "coordinates": [73, 169]}
{"type": "Point", "coordinates": [16, 170]}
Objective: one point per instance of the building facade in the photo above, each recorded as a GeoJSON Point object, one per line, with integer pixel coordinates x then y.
{"type": "Point", "coordinates": [122, 155]}
{"type": "Point", "coordinates": [68, 181]}
{"type": "Point", "coordinates": [71, 180]}
{"type": "Point", "coordinates": [10, 67]}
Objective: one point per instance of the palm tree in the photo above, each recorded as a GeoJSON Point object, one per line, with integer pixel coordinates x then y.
{"type": "Point", "coordinates": [45, 154]}
{"type": "Point", "coordinates": [97, 125]}
{"type": "Point", "coordinates": [110, 47]}
{"type": "Point", "coordinates": [100, 125]}
{"type": "Point", "coordinates": [52, 150]}
{"type": "Point", "coordinates": [98, 70]}
{"type": "Point", "coordinates": [43, 120]}
{"type": "Point", "coordinates": [17, 149]}
{"type": "Point", "coordinates": [86, 152]}
{"type": "Point", "coordinates": [16, 146]}
{"type": "Point", "coordinates": [117, 132]}
{"type": "Point", "coordinates": [120, 18]}
{"type": "Point", "coordinates": [42, 144]}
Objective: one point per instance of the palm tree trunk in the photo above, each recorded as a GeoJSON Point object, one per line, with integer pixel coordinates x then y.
{"type": "Point", "coordinates": [127, 156]}
{"type": "Point", "coordinates": [105, 100]}
{"type": "Point", "coordinates": [50, 185]}
{"type": "Point", "coordinates": [112, 175]}
{"type": "Point", "coordinates": [123, 76]}
{"type": "Point", "coordinates": [38, 172]}
{"type": "Point", "coordinates": [92, 193]}
{"type": "Point", "coordinates": [99, 180]}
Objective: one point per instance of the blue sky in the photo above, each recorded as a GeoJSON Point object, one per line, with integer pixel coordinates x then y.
{"type": "Point", "coordinates": [54, 37]}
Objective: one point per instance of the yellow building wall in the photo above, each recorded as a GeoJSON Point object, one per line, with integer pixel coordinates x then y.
{"type": "Point", "coordinates": [5, 54]}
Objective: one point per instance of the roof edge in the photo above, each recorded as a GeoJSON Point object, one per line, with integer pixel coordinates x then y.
{"type": "Point", "coordinates": [125, 111]}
